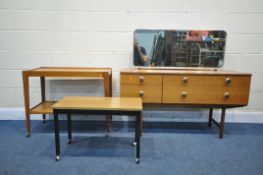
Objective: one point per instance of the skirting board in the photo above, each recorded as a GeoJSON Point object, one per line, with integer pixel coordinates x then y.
{"type": "Point", "coordinates": [233, 116]}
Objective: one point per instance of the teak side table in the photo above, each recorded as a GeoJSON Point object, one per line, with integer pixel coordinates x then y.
{"type": "Point", "coordinates": [73, 72]}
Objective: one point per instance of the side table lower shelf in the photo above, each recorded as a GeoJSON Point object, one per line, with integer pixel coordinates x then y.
{"type": "Point", "coordinates": [43, 108]}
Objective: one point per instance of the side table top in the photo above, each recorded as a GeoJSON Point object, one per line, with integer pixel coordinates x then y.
{"type": "Point", "coordinates": [99, 103]}
{"type": "Point", "coordinates": [68, 72]}
{"type": "Point", "coordinates": [70, 69]}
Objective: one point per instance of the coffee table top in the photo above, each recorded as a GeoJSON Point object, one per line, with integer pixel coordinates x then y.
{"type": "Point", "coordinates": [99, 103]}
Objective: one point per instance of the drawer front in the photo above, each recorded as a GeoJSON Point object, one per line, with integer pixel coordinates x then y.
{"type": "Point", "coordinates": [149, 94]}
{"type": "Point", "coordinates": [141, 79]}
{"type": "Point", "coordinates": [206, 90]}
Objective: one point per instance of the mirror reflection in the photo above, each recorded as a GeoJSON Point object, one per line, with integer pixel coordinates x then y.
{"type": "Point", "coordinates": [179, 48]}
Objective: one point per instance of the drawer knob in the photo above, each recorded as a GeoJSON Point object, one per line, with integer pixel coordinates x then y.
{"type": "Point", "coordinates": [184, 94]}
{"type": "Point", "coordinates": [141, 78]}
{"type": "Point", "coordinates": [141, 93]}
{"type": "Point", "coordinates": [226, 95]}
{"type": "Point", "coordinates": [228, 80]}
{"type": "Point", "coordinates": [185, 79]}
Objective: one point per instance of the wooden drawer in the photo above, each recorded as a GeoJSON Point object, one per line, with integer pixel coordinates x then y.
{"type": "Point", "coordinates": [141, 79]}
{"type": "Point", "coordinates": [206, 89]}
{"type": "Point", "coordinates": [149, 94]}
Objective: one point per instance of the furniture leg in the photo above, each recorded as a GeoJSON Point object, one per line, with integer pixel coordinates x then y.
{"type": "Point", "coordinates": [56, 127]}
{"type": "Point", "coordinates": [141, 122]}
{"type": "Point", "coordinates": [107, 125]}
{"type": "Point", "coordinates": [222, 123]}
{"type": "Point", "coordinates": [210, 117]}
{"type": "Point", "coordinates": [108, 93]}
{"type": "Point", "coordinates": [43, 118]}
{"type": "Point", "coordinates": [135, 133]}
{"type": "Point", "coordinates": [110, 88]}
{"type": "Point", "coordinates": [137, 137]}
{"type": "Point", "coordinates": [43, 94]}
{"type": "Point", "coordinates": [27, 102]}
{"type": "Point", "coordinates": [69, 129]}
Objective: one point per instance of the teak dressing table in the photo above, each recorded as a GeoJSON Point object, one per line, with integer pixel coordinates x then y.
{"type": "Point", "coordinates": [193, 87]}
{"type": "Point", "coordinates": [44, 107]}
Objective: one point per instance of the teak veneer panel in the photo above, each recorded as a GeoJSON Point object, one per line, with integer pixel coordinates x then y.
{"type": "Point", "coordinates": [43, 108]}
{"type": "Point", "coordinates": [151, 93]}
{"type": "Point", "coordinates": [68, 72]}
{"type": "Point", "coordinates": [183, 71]}
{"type": "Point", "coordinates": [99, 103]}
{"type": "Point", "coordinates": [206, 90]}
{"type": "Point", "coordinates": [141, 79]}
{"type": "Point", "coordinates": [205, 86]}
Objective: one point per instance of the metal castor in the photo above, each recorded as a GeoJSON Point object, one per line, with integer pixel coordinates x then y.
{"type": "Point", "coordinates": [137, 160]}
{"type": "Point", "coordinates": [57, 158]}
{"type": "Point", "coordinates": [69, 141]}
{"type": "Point", "coordinates": [134, 144]}
{"type": "Point", "coordinates": [106, 135]}
{"type": "Point", "coordinates": [27, 134]}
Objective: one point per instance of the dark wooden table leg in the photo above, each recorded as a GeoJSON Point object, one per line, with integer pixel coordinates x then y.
{"type": "Point", "coordinates": [210, 117]}
{"type": "Point", "coordinates": [138, 137]}
{"type": "Point", "coordinates": [222, 123]}
{"type": "Point", "coordinates": [141, 122]}
{"type": "Point", "coordinates": [69, 129]}
{"type": "Point", "coordinates": [110, 89]}
{"type": "Point", "coordinates": [43, 94]}
{"type": "Point", "coordinates": [107, 125]}
{"type": "Point", "coordinates": [57, 142]}
{"type": "Point", "coordinates": [107, 93]}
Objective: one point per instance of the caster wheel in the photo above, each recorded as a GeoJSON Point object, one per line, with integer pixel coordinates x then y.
{"type": "Point", "coordinates": [134, 144]}
{"type": "Point", "coordinates": [43, 121]}
{"type": "Point", "coordinates": [106, 135]}
{"type": "Point", "coordinates": [137, 160]}
{"type": "Point", "coordinates": [69, 141]}
{"type": "Point", "coordinates": [27, 135]}
{"type": "Point", "coordinates": [57, 158]}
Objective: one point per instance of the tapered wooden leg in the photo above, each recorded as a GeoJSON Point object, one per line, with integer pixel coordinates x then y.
{"type": "Point", "coordinates": [26, 101]}
{"type": "Point", "coordinates": [43, 94]}
{"type": "Point", "coordinates": [210, 117]}
{"type": "Point", "coordinates": [28, 125]}
{"type": "Point", "coordinates": [222, 124]}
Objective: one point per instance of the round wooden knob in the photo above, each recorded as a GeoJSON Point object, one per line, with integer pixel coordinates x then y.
{"type": "Point", "coordinates": [228, 80]}
{"type": "Point", "coordinates": [184, 94]}
{"type": "Point", "coordinates": [141, 93]}
{"type": "Point", "coordinates": [226, 95]}
{"type": "Point", "coordinates": [141, 78]}
{"type": "Point", "coordinates": [185, 79]}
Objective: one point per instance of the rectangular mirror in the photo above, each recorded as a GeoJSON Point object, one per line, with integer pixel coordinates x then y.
{"type": "Point", "coordinates": [179, 48]}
